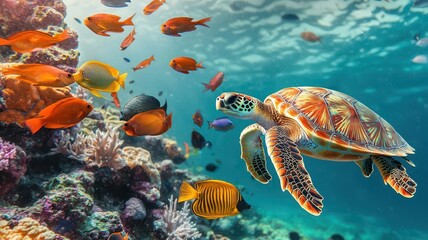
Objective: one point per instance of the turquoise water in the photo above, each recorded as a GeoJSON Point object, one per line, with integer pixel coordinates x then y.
{"type": "Point", "coordinates": [366, 52]}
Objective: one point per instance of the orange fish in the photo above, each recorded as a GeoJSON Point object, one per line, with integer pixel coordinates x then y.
{"type": "Point", "coordinates": [197, 118]}
{"type": "Point", "coordinates": [215, 82]}
{"type": "Point", "coordinates": [153, 122]}
{"type": "Point", "coordinates": [310, 37]}
{"type": "Point", "coordinates": [102, 23]}
{"type": "Point", "coordinates": [128, 40]}
{"type": "Point", "coordinates": [174, 26]}
{"type": "Point", "coordinates": [118, 236]}
{"type": "Point", "coordinates": [115, 99]}
{"type": "Point", "coordinates": [65, 113]}
{"type": "Point", "coordinates": [186, 146]}
{"type": "Point", "coordinates": [143, 64]}
{"type": "Point", "coordinates": [184, 64]}
{"type": "Point", "coordinates": [28, 41]}
{"type": "Point", "coordinates": [39, 75]}
{"type": "Point", "coordinates": [153, 6]}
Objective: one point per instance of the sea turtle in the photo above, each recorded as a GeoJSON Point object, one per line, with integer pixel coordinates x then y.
{"type": "Point", "coordinates": [320, 123]}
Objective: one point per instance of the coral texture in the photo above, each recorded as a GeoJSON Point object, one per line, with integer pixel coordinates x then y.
{"type": "Point", "coordinates": [27, 229]}
{"type": "Point", "coordinates": [13, 165]}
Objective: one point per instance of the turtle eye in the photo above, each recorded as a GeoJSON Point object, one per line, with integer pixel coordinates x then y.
{"type": "Point", "coordinates": [231, 99]}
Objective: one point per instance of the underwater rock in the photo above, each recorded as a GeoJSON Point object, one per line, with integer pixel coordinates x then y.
{"type": "Point", "coordinates": [134, 210]}
{"type": "Point", "coordinates": [146, 191]}
{"type": "Point", "coordinates": [100, 224]}
{"type": "Point", "coordinates": [27, 228]}
{"type": "Point", "coordinates": [13, 165]}
{"type": "Point", "coordinates": [159, 147]}
{"type": "Point", "coordinates": [336, 236]}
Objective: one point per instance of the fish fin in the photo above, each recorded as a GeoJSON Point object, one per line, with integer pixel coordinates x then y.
{"type": "Point", "coordinates": [165, 105]}
{"type": "Point", "coordinates": [168, 121]}
{"type": "Point", "coordinates": [64, 35]}
{"type": "Point", "coordinates": [207, 87]}
{"type": "Point", "coordinates": [103, 33]}
{"type": "Point", "coordinates": [128, 21]}
{"type": "Point", "coordinates": [4, 42]}
{"type": "Point", "coordinates": [123, 48]}
{"type": "Point", "coordinates": [209, 125]}
{"type": "Point", "coordinates": [35, 124]}
{"type": "Point", "coordinates": [203, 21]}
{"type": "Point", "coordinates": [96, 93]}
{"type": "Point", "coordinates": [199, 65]}
{"type": "Point", "coordinates": [187, 192]}
{"type": "Point", "coordinates": [121, 80]}
{"type": "Point", "coordinates": [135, 69]}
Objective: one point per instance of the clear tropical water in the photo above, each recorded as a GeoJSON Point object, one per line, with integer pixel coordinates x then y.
{"type": "Point", "coordinates": [366, 52]}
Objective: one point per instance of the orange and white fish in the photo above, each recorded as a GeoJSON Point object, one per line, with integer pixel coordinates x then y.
{"type": "Point", "coordinates": [143, 64]}
{"type": "Point", "coordinates": [175, 26]}
{"type": "Point", "coordinates": [28, 41]}
{"type": "Point", "coordinates": [153, 6]}
{"type": "Point", "coordinates": [153, 122]}
{"type": "Point", "coordinates": [128, 40]}
{"type": "Point", "coordinates": [118, 236]}
{"type": "Point", "coordinates": [184, 64]}
{"type": "Point", "coordinates": [39, 75]}
{"type": "Point", "coordinates": [310, 37]}
{"type": "Point", "coordinates": [215, 82]}
{"type": "Point", "coordinates": [64, 113]}
{"type": "Point", "coordinates": [102, 23]}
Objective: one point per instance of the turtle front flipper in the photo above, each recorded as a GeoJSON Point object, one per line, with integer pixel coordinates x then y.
{"type": "Point", "coordinates": [291, 170]}
{"type": "Point", "coordinates": [253, 154]}
{"type": "Point", "coordinates": [395, 175]}
{"type": "Point", "coordinates": [366, 166]}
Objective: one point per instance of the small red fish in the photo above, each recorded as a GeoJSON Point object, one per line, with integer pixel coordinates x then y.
{"type": "Point", "coordinates": [152, 122]}
{"type": "Point", "coordinates": [184, 64]}
{"type": "Point", "coordinates": [65, 113]}
{"type": "Point", "coordinates": [153, 6]}
{"type": "Point", "coordinates": [28, 41]}
{"type": "Point", "coordinates": [175, 26]}
{"type": "Point", "coordinates": [310, 37]}
{"type": "Point", "coordinates": [115, 99]}
{"type": "Point", "coordinates": [118, 236]}
{"type": "Point", "coordinates": [197, 118]}
{"type": "Point", "coordinates": [215, 82]}
{"type": "Point", "coordinates": [143, 64]}
{"type": "Point", "coordinates": [103, 23]}
{"type": "Point", "coordinates": [128, 40]}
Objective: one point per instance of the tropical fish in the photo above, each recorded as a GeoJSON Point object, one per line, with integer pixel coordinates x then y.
{"type": "Point", "coordinates": [39, 75]}
{"type": "Point", "coordinates": [115, 3]}
{"type": "Point", "coordinates": [214, 198]}
{"type": "Point", "coordinates": [131, 92]}
{"type": "Point", "coordinates": [221, 124]}
{"type": "Point", "coordinates": [132, 81]}
{"type": "Point", "coordinates": [160, 93]}
{"type": "Point", "coordinates": [197, 118]}
{"type": "Point", "coordinates": [187, 150]}
{"type": "Point", "coordinates": [128, 40]}
{"type": "Point", "coordinates": [153, 6]}
{"type": "Point", "coordinates": [310, 37]}
{"type": "Point", "coordinates": [420, 59]}
{"type": "Point", "coordinates": [97, 76]}
{"type": "Point", "coordinates": [64, 113]}
{"type": "Point", "coordinates": [290, 17]}
{"type": "Point", "coordinates": [211, 167]}
{"type": "Point", "coordinates": [143, 64]}
{"type": "Point", "coordinates": [118, 236]}
{"type": "Point", "coordinates": [175, 26]}
{"type": "Point", "coordinates": [184, 64]}
{"type": "Point", "coordinates": [422, 42]}
{"type": "Point", "coordinates": [152, 122]}
{"type": "Point", "coordinates": [28, 41]}
{"type": "Point", "coordinates": [215, 82]}
{"type": "Point", "coordinates": [198, 141]}
{"type": "Point", "coordinates": [126, 60]}
{"type": "Point", "coordinates": [138, 104]}
{"type": "Point", "coordinates": [102, 23]}
{"type": "Point", "coordinates": [115, 99]}
{"type": "Point", "coordinates": [77, 20]}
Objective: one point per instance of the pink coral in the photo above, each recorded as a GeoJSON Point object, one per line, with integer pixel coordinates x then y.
{"type": "Point", "coordinates": [13, 165]}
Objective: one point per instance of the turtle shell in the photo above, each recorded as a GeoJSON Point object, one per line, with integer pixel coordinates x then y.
{"type": "Point", "coordinates": [338, 122]}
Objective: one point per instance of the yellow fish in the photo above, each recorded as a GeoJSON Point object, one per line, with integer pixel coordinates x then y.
{"type": "Point", "coordinates": [97, 76]}
{"type": "Point", "coordinates": [214, 198]}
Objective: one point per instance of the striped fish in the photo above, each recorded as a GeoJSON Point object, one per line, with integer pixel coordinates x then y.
{"type": "Point", "coordinates": [214, 198]}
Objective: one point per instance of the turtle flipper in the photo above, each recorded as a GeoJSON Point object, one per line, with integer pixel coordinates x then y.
{"type": "Point", "coordinates": [291, 170]}
{"type": "Point", "coordinates": [253, 154]}
{"type": "Point", "coordinates": [395, 175]}
{"type": "Point", "coordinates": [366, 166]}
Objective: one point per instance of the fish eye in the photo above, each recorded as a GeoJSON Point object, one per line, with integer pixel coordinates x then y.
{"type": "Point", "coordinates": [69, 75]}
{"type": "Point", "coordinates": [89, 18]}
{"type": "Point", "coordinates": [126, 124]}
{"type": "Point", "coordinates": [164, 25]}
{"type": "Point", "coordinates": [231, 99]}
{"type": "Point", "coordinates": [173, 61]}
{"type": "Point", "coordinates": [88, 106]}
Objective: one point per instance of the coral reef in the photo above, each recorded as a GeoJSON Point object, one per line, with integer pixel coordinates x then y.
{"type": "Point", "coordinates": [13, 165]}
{"type": "Point", "coordinates": [27, 229]}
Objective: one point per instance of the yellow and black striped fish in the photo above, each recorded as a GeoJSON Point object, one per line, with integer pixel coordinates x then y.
{"type": "Point", "coordinates": [214, 198]}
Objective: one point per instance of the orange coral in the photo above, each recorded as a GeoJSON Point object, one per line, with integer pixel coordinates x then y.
{"type": "Point", "coordinates": [24, 101]}
{"type": "Point", "coordinates": [27, 229]}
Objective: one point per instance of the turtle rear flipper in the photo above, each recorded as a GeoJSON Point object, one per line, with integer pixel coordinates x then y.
{"type": "Point", "coordinates": [395, 175]}
{"type": "Point", "coordinates": [366, 166]}
{"type": "Point", "coordinates": [291, 170]}
{"type": "Point", "coordinates": [253, 154]}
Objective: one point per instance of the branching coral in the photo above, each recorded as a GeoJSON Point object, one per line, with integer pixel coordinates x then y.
{"type": "Point", "coordinates": [178, 223]}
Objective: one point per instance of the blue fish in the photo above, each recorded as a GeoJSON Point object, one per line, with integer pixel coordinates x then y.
{"type": "Point", "coordinates": [126, 59]}
{"type": "Point", "coordinates": [77, 20]}
{"type": "Point", "coordinates": [221, 124]}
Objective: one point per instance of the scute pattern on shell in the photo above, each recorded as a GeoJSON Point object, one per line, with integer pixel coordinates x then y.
{"type": "Point", "coordinates": [325, 112]}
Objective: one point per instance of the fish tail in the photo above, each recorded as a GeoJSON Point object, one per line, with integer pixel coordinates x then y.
{"type": "Point", "coordinates": [152, 58]}
{"type": "Point", "coordinates": [4, 42]}
{"type": "Point", "coordinates": [34, 124]}
{"type": "Point", "coordinates": [64, 35]}
{"type": "Point", "coordinates": [203, 21]}
{"type": "Point", "coordinates": [207, 87]}
{"type": "Point", "coordinates": [168, 121]}
{"type": "Point", "coordinates": [186, 192]}
{"type": "Point", "coordinates": [128, 21]}
{"type": "Point", "coordinates": [209, 125]}
{"type": "Point", "coordinates": [135, 69]}
{"type": "Point", "coordinates": [199, 65]}
{"type": "Point", "coordinates": [121, 80]}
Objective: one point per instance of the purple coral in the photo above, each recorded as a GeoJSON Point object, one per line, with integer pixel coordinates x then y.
{"type": "Point", "coordinates": [13, 165]}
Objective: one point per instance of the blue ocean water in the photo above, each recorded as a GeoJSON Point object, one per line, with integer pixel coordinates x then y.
{"type": "Point", "coordinates": [366, 52]}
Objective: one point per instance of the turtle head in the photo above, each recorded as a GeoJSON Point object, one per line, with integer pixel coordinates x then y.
{"type": "Point", "coordinates": [237, 105]}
